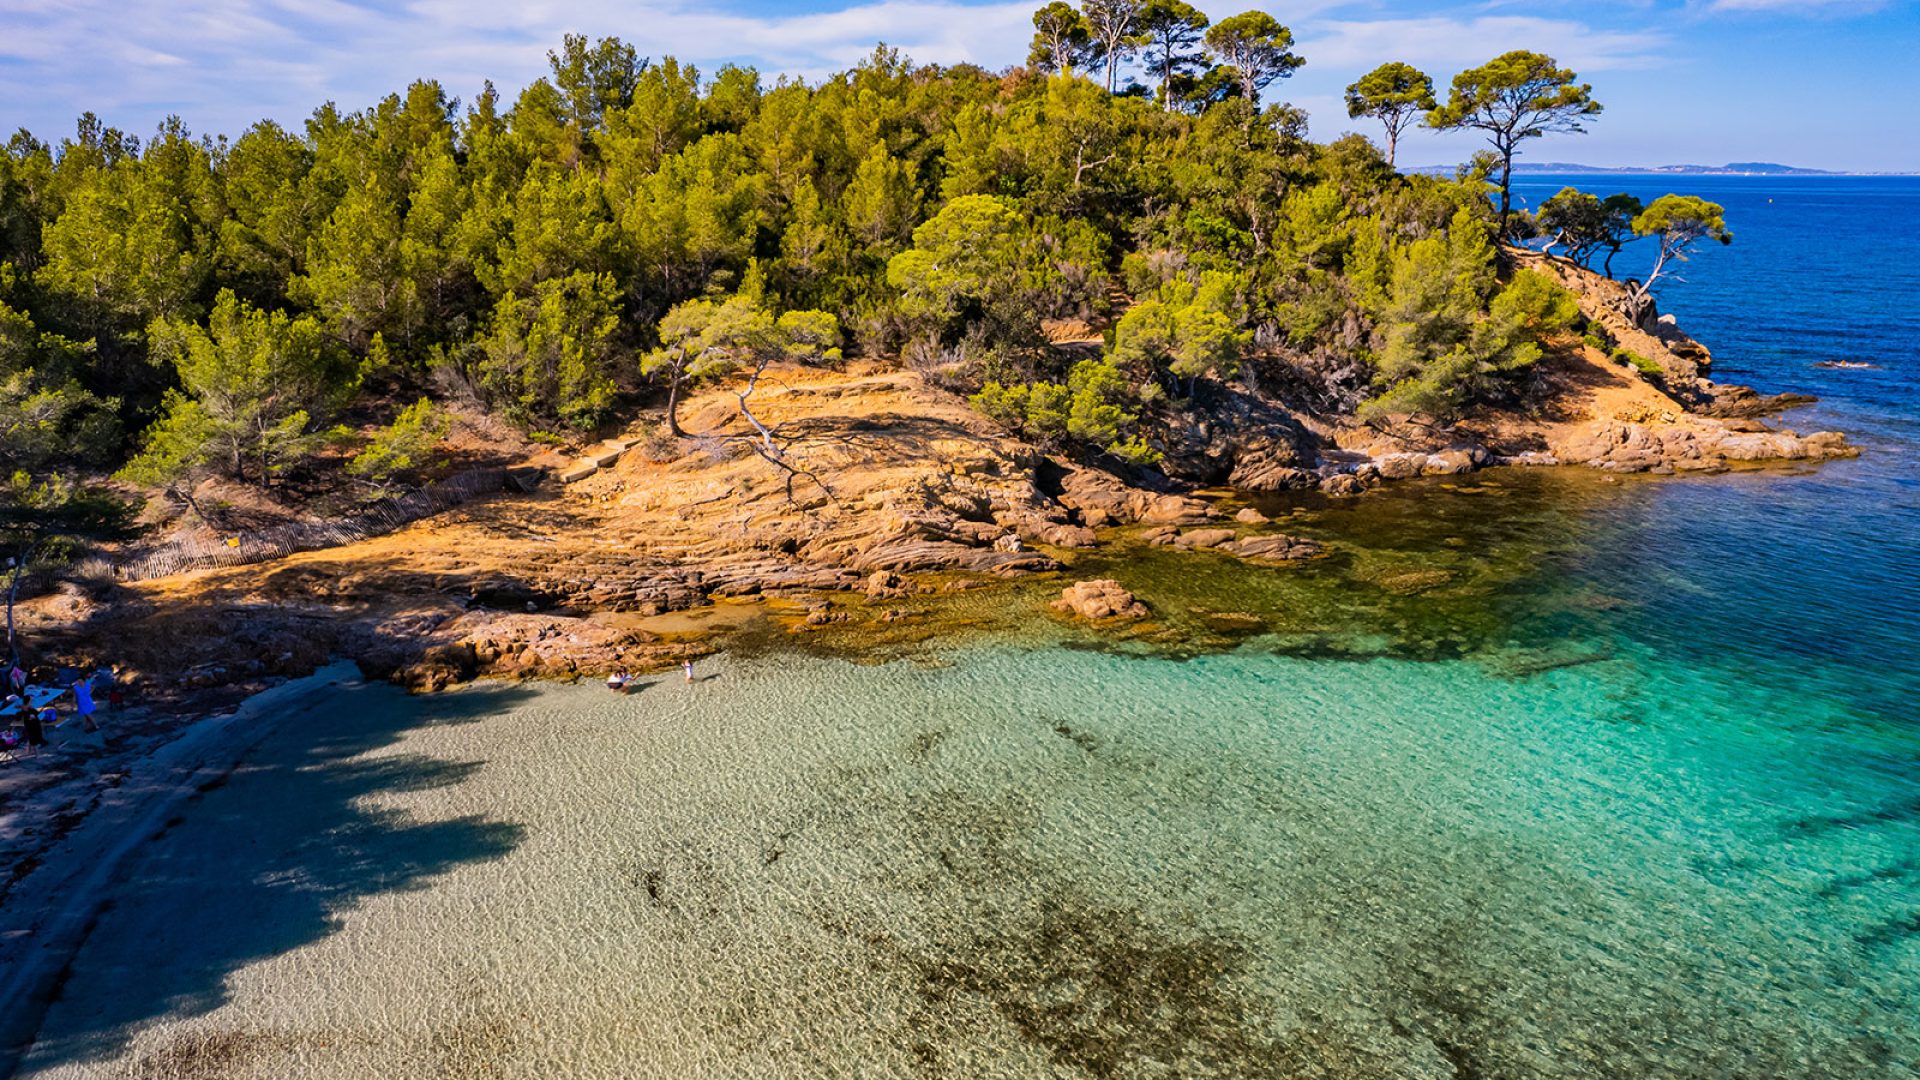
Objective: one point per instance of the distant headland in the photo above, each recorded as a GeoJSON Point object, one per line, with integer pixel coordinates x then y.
{"type": "Point", "coordinates": [1732, 168]}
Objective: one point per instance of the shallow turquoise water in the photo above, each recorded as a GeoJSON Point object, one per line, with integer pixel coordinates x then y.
{"type": "Point", "coordinates": [1028, 862]}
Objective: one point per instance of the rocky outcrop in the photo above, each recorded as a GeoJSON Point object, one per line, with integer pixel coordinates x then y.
{"type": "Point", "coordinates": [1274, 548]}
{"type": "Point", "coordinates": [1102, 500]}
{"type": "Point", "coordinates": [1242, 439]}
{"type": "Point", "coordinates": [1192, 539]}
{"type": "Point", "coordinates": [1103, 600]}
{"type": "Point", "coordinates": [1691, 446]}
{"type": "Point", "coordinates": [882, 477]}
{"type": "Point", "coordinates": [1261, 547]}
{"type": "Point", "coordinates": [521, 646]}
{"type": "Point", "coordinates": [1271, 465]}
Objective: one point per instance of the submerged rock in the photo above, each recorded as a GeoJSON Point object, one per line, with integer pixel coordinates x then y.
{"type": "Point", "coordinates": [1099, 600]}
{"type": "Point", "coordinates": [1203, 538]}
{"type": "Point", "coordinates": [1275, 547]}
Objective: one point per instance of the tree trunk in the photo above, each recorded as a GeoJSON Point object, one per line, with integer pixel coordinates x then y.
{"type": "Point", "coordinates": [1506, 185]}
{"type": "Point", "coordinates": [185, 494]}
{"type": "Point", "coordinates": [673, 406]}
{"type": "Point", "coordinates": [1393, 144]}
{"type": "Point", "coordinates": [13, 589]}
{"type": "Point", "coordinates": [13, 592]}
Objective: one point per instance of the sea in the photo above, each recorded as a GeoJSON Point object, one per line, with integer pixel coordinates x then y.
{"type": "Point", "coordinates": [1542, 773]}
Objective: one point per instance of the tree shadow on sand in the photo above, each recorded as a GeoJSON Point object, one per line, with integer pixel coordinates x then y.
{"type": "Point", "coordinates": [265, 860]}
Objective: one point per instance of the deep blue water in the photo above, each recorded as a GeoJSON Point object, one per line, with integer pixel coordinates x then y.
{"type": "Point", "coordinates": [1809, 581]}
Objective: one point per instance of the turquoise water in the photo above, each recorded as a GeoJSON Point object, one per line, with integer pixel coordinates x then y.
{"type": "Point", "coordinates": [1027, 862]}
{"type": "Point", "coordinates": [1541, 775]}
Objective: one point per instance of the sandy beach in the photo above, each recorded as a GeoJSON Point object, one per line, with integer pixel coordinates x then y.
{"type": "Point", "coordinates": [68, 832]}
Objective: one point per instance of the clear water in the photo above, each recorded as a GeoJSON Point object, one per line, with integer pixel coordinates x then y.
{"type": "Point", "coordinates": [1542, 775]}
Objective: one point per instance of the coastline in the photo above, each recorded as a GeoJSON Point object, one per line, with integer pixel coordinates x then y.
{"type": "Point", "coordinates": [906, 492]}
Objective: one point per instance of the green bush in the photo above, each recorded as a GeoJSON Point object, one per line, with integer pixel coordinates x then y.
{"type": "Point", "coordinates": [1637, 362]}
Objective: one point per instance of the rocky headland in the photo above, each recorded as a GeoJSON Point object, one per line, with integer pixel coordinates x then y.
{"type": "Point", "coordinates": [880, 485]}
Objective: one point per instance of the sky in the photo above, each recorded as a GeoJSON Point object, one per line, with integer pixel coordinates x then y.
{"type": "Point", "coordinates": [1814, 83]}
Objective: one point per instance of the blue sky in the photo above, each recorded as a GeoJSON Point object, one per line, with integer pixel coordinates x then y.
{"type": "Point", "coordinates": [1823, 83]}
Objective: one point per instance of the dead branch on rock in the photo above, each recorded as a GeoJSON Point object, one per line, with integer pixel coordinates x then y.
{"type": "Point", "coordinates": [769, 444]}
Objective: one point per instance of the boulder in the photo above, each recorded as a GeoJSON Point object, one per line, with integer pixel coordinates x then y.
{"type": "Point", "coordinates": [1400, 466]}
{"type": "Point", "coordinates": [1099, 601]}
{"type": "Point", "coordinates": [1342, 484]}
{"type": "Point", "coordinates": [1066, 536]}
{"type": "Point", "coordinates": [1274, 547]}
{"type": "Point", "coordinates": [1203, 538]}
{"type": "Point", "coordinates": [1269, 464]}
{"type": "Point", "coordinates": [1174, 510]}
{"type": "Point", "coordinates": [1451, 462]}
{"type": "Point", "coordinates": [1250, 516]}
{"type": "Point", "coordinates": [1099, 498]}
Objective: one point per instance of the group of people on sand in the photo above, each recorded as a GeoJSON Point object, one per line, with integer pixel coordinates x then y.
{"type": "Point", "coordinates": [41, 714]}
{"type": "Point", "coordinates": [621, 681]}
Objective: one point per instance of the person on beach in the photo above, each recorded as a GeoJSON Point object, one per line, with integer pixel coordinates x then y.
{"type": "Point", "coordinates": [686, 666]}
{"type": "Point", "coordinates": [35, 734]}
{"type": "Point", "coordinates": [17, 678]}
{"type": "Point", "coordinates": [83, 703]}
{"type": "Point", "coordinates": [37, 726]}
{"type": "Point", "coordinates": [617, 681]}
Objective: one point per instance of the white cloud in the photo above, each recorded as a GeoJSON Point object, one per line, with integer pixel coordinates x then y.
{"type": "Point", "coordinates": [1442, 45]}
{"type": "Point", "coordinates": [1801, 7]}
{"type": "Point", "coordinates": [224, 63]}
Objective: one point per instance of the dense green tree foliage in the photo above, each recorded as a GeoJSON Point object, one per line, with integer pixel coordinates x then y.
{"type": "Point", "coordinates": [625, 226]}
{"type": "Point", "coordinates": [405, 446]}
{"type": "Point", "coordinates": [1514, 97]}
{"type": "Point", "coordinates": [1394, 94]}
{"type": "Point", "coordinates": [253, 383]}
{"type": "Point", "coordinates": [1256, 47]}
{"type": "Point", "coordinates": [1115, 26]}
{"type": "Point", "coordinates": [1170, 33]}
{"type": "Point", "coordinates": [1586, 225]}
{"type": "Point", "coordinates": [1062, 40]}
{"type": "Point", "coordinates": [1677, 224]}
